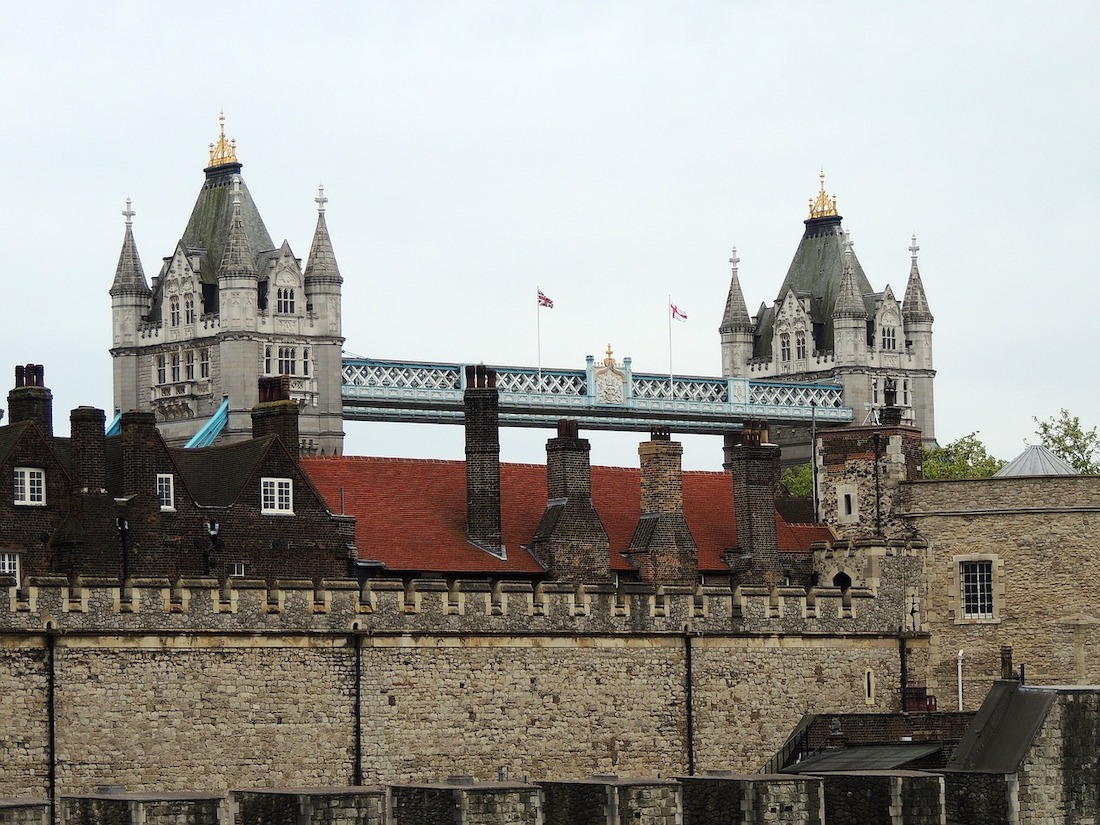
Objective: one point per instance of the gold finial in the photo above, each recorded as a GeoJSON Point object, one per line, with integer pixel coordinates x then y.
{"type": "Point", "coordinates": [824, 206]}
{"type": "Point", "coordinates": [224, 151]}
{"type": "Point", "coordinates": [609, 361]}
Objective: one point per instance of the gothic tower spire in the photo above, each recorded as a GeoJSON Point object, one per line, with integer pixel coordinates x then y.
{"type": "Point", "coordinates": [736, 328]}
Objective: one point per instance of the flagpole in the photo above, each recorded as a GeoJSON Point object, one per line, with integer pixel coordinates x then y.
{"type": "Point", "coordinates": [538, 330]}
{"type": "Point", "coordinates": [668, 312]}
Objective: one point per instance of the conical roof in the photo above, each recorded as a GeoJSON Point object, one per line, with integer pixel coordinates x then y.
{"type": "Point", "coordinates": [237, 252]}
{"type": "Point", "coordinates": [849, 301]}
{"type": "Point", "coordinates": [914, 307]}
{"type": "Point", "coordinates": [321, 265]}
{"type": "Point", "coordinates": [129, 276]}
{"type": "Point", "coordinates": [1036, 460]}
{"type": "Point", "coordinates": [736, 316]}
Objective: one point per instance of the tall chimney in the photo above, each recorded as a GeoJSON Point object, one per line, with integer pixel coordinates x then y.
{"type": "Point", "coordinates": [481, 407]}
{"type": "Point", "coordinates": [276, 413]}
{"type": "Point", "coordinates": [139, 451]}
{"type": "Point", "coordinates": [662, 547]}
{"type": "Point", "coordinates": [30, 400]}
{"type": "Point", "coordinates": [571, 540]}
{"type": "Point", "coordinates": [754, 465]}
{"type": "Point", "coordinates": [89, 461]}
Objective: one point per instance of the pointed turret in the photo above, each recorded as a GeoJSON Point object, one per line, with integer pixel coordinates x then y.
{"type": "Point", "coordinates": [914, 307]}
{"type": "Point", "coordinates": [321, 267]}
{"type": "Point", "coordinates": [129, 276]}
{"type": "Point", "coordinates": [849, 315]}
{"type": "Point", "coordinates": [849, 302]}
{"type": "Point", "coordinates": [736, 328]}
{"type": "Point", "coordinates": [237, 259]}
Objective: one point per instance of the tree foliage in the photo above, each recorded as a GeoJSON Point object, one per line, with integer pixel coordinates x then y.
{"type": "Point", "coordinates": [1066, 438]}
{"type": "Point", "coordinates": [965, 457]}
{"type": "Point", "coordinates": [799, 481]}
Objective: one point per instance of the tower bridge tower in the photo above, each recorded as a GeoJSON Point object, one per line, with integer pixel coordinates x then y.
{"type": "Point", "coordinates": [828, 322]}
{"type": "Point", "coordinates": [227, 307]}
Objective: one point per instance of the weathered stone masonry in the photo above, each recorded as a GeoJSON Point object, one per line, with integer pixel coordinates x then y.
{"type": "Point", "coordinates": [196, 687]}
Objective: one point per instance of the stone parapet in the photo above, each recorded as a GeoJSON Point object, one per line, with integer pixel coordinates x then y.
{"type": "Point", "coordinates": [105, 605]}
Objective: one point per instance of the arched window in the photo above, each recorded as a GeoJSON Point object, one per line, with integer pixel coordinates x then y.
{"type": "Point", "coordinates": [785, 347]}
{"type": "Point", "coordinates": [800, 345]}
{"type": "Point", "coordinates": [174, 311]}
{"type": "Point", "coordinates": [189, 309]}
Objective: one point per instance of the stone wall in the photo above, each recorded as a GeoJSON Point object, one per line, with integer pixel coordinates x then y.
{"type": "Point", "coordinates": [1040, 535]}
{"type": "Point", "coordinates": [209, 689]}
{"type": "Point", "coordinates": [347, 806]}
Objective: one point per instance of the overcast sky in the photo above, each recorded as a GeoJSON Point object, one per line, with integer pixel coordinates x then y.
{"type": "Point", "coordinates": [610, 153]}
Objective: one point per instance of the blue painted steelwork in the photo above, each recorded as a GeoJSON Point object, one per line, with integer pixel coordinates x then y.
{"type": "Point", "coordinates": [212, 428]}
{"type": "Point", "coordinates": [115, 427]}
{"type": "Point", "coordinates": [603, 396]}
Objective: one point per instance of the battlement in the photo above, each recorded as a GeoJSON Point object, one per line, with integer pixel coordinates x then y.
{"type": "Point", "coordinates": [431, 606]}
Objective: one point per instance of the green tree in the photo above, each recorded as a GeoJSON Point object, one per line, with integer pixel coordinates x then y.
{"type": "Point", "coordinates": [799, 481]}
{"type": "Point", "coordinates": [965, 457]}
{"type": "Point", "coordinates": [1066, 438]}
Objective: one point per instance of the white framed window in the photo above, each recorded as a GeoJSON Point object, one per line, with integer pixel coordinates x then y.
{"type": "Point", "coordinates": [189, 309]}
{"type": "Point", "coordinates": [175, 367]}
{"type": "Point", "coordinates": [889, 338]}
{"type": "Point", "coordinates": [267, 359]}
{"type": "Point", "coordinates": [236, 569]}
{"type": "Point", "coordinates": [174, 310]}
{"type": "Point", "coordinates": [277, 496]}
{"type": "Point", "coordinates": [162, 373]}
{"type": "Point", "coordinates": [305, 360]}
{"type": "Point", "coordinates": [284, 300]}
{"type": "Point", "coordinates": [166, 491]}
{"type": "Point", "coordinates": [785, 347]}
{"type": "Point", "coordinates": [204, 362]}
{"type": "Point", "coordinates": [800, 345]}
{"type": "Point", "coordinates": [287, 361]}
{"type": "Point", "coordinates": [9, 564]}
{"type": "Point", "coordinates": [976, 589]}
{"type": "Point", "coordinates": [189, 365]}
{"type": "Point", "coordinates": [30, 486]}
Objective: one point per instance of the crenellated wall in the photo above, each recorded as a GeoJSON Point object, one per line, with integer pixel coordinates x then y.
{"type": "Point", "coordinates": [156, 687]}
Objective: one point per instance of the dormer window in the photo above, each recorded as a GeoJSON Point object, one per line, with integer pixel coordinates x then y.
{"type": "Point", "coordinates": [30, 486]}
{"type": "Point", "coordinates": [785, 347]}
{"type": "Point", "coordinates": [174, 311]}
{"type": "Point", "coordinates": [889, 338]}
{"type": "Point", "coordinates": [277, 496]}
{"type": "Point", "coordinates": [284, 300]}
{"type": "Point", "coordinates": [800, 345]}
{"type": "Point", "coordinates": [166, 491]}
{"type": "Point", "coordinates": [189, 309]}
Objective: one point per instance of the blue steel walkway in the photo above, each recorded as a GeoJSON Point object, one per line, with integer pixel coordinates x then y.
{"type": "Point", "coordinates": [604, 395]}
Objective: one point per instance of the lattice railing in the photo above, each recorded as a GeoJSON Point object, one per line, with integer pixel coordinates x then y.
{"type": "Point", "coordinates": [795, 395]}
{"type": "Point", "coordinates": [548, 382]}
{"type": "Point", "coordinates": [661, 388]}
{"type": "Point", "coordinates": [402, 376]}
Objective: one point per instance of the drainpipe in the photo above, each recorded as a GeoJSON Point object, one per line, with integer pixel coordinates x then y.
{"type": "Point", "coordinates": [960, 677]}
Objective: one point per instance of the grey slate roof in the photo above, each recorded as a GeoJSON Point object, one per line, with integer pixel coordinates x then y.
{"type": "Point", "coordinates": [212, 218]}
{"type": "Point", "coordinates": [1003, 730]}
{"type": "Point", "coordinates": [816, 271]}
{"type": "Point", "coordinates": [1036, 460]}
{"type": "Point", "coordinates": [865, 757]}
{"type": "Point", "coordinates": [216, 475]}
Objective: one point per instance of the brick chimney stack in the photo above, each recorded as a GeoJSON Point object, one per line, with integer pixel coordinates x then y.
{"type": "Point", "coordinates": [662, 547]}
{"type": "Point", "coordinates": [481, 407]}
{"type": "Point", "coordinates": [140, 442]}
{"type": "Point", "coordinates": [30, 400]}
{"type": "Point", "coordinates": [754, 465]}
{"type": "Point", "coordinates": [571, 540]}
{"type": "Point", "coordinates": [89, 461]}
{"type": "Point", "coordinates": [276, 413]}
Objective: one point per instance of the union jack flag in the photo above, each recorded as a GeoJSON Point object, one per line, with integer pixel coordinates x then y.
{"type": "Point", "coordinates": [544, 300]}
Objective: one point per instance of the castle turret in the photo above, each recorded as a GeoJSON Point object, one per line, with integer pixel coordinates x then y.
{"type": "Point", "coordinates": [736, 328]}
{"type": "Point", "coordinates": [130, 296]}
{"type": "Point", "coordinates": [849, 318]}
{"type": "Point", "coordinates": [917, 320]}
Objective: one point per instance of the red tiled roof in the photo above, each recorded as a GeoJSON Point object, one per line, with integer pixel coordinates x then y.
{"type": "Point", "coordinates": [411, 513]}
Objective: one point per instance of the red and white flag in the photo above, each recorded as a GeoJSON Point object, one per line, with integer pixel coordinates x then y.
{"type": "Point", "coordinates": [544, 300]}
{"type": "Point", "coordinates": [677, 313]}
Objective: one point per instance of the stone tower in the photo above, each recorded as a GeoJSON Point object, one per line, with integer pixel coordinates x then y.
{"type": "Point", "coordinates": [226, 308]}
{"type": "Point", "coordinates": [827, 323]}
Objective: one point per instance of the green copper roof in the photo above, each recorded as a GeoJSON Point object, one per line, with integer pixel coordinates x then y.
{"type": "Point", "coordinates": [208, 228]}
